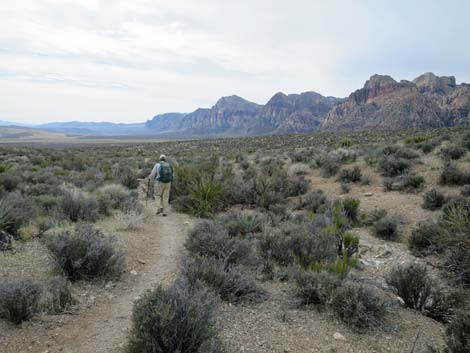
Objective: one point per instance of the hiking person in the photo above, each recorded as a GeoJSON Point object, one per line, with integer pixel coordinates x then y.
{"type": "Point", "coordinates": [162, 174]}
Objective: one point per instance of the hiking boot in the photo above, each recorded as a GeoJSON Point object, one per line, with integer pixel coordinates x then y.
{"type": "Point", "coordinates": [164, 214]}
{"type": "Point", "coordinates": [160, 211]}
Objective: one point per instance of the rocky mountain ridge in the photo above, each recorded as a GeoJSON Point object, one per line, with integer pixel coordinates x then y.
{"type": "Point", "coordinates": [428, 101]}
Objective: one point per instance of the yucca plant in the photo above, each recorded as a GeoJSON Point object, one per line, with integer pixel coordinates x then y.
{"type": "Point", "coordinates": [6, 221]}
{"type": "Point", "coordinates": [206, 195]}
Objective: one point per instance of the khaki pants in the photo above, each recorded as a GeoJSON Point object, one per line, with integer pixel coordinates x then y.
{"type": "Point", "coordinates": [162, 192]}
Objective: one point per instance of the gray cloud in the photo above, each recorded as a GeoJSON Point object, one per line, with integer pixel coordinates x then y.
{"type": "Point", "coordinates": [127, 60]}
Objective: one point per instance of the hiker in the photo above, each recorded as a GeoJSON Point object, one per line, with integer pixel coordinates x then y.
{"type": "Point", "coordinates": [162, 174]}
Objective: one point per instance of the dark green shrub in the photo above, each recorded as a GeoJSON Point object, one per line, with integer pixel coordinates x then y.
{"type": "Point", "coordinates": [351, 208]}
{"type": "Point", "coordinates": [229, 282]}
{"type": "Point", "coordinates": [443, 304]}
{"type": "Point", "coordinates": [458, 332]}
{"type": "Point", "coordinates": [59, 295]}
{"type": "Point", "coordinates": [412, 182]}
{"type": "Point", "coordinates": [412, 283]}
{"type": "Point", "coordinates": [392, 166]}
{"type": "Point", "coordinates": [359, 307]}
{"type": "Point", "coordinates": [387, 228]}
{"type": "Point", "coordinates": [453, 152]}
{"type": "Point", "coordinates": [406, 153]}
{"type": "Point", "coordinates": [375, 215]}
{"type": "Point", "coordinates": [458, 262]}
{"type": "Point", "coordinates": [179, 319]}
{"type": "Point", "coordinates": [19, 300]}
{"type": "Point", "coordinates": [428, 146]}
{"type": "Point", "coordinates": [433, 200]}
{"type": "Point", "coordinates": [296, 186]}
{"type": "Point", "coordinates": [9, 182]}
{"type": "Point", "coordinates": [315, 288]}
{"type": "Point", "coordinates": [465, 191]}
{"type": "Point", "coordinates": [86, 253]}
{"type": "Point", "coordinates": [329, 168]}
{"type": "Point", "coordinates": [211, 239]}
{"type": "Point", "coordinates": [451, 175]}
{"type": "Point", "coordinates": [350, 175]}
{"type": "Point", "coordinates": [424, 239]}
{"type": "Point", "coordinates": [126, 176]}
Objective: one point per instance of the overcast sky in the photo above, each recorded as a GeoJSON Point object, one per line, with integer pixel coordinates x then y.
{"type": "Point", "coordinates": [127, 60]}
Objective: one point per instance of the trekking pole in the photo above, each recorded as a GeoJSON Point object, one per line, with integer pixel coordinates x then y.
{"type": "Point", "coordinates": [148, 192]}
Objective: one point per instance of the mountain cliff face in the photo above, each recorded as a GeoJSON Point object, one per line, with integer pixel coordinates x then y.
{"type": "Point", "coordinates": [382, 103]}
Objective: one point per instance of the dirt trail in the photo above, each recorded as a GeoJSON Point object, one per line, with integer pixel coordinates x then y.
{"type": "Point", "coordinates": [104, 319]}
{"type": "Point", "coordinates": [105, 329]}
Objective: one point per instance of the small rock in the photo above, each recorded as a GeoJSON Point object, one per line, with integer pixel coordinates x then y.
{"type": "Point", "coordinates": [133, 272]}
{"type": "Point", "coordinates": [339, 337]}
{"type": "Point", "coordinates": [385, 254]}
{"type": "Point", "coordinates": [143, 262]}
{"type": "Point", "coordinates": [368, 194]}
{"type": "Point", "coordinates": [186, 223]}
{"type": "Point", "coordinates": [400, 301]}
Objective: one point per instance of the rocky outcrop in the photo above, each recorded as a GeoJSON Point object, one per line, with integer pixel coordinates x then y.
{"type": "Point", "coordinates": [293, 113]}
{"type": "Point", "coordinates": [383, 103]}
{"type": "Point", "coordinates": [429, 101]}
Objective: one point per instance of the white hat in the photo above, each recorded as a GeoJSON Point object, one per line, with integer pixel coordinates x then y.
{"type": "Point", "coordinates": [163, 157]}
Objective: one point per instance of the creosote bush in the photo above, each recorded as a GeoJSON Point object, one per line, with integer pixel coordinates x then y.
{"type": "Point", "coordinates": [387, 228]}
{"type": "Point", "coordinates": [424, 239]}
{"type": "Point", "coordinates": [58, 294]}
{"type": "Point", "coordinates": [19, 300]}
{"type": "Point", "coordinates": [178, 319]}
{"type": "Point", "coordinates": [86, 253]}
{"type": "Point", "coordinates": [412, 283]}
{"type": "Point", "coordinates": [350, 175]}
{"type": "Point", "coordinates": [359, 307]}
{"type": "Point", "coordinates": [391, 166]}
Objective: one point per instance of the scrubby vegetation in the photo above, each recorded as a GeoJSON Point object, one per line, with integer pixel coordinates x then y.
{"type": "Point", "coordinates": [270, 215]}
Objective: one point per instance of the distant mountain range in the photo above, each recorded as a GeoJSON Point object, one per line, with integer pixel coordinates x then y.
{"type": "Point", "coordinates": [382, 103]}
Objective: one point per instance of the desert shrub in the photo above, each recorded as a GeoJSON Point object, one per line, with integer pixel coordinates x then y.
{"type": "Point", "coordinates": [391, 166]}
{"type": "Point", "coordinates": [411, 182]}
{"type": "Point", "coordinates": [131, 220]}
{"type": "Point", "coordinates": [359, 307]}
{"type": "Point", "coordinates": [299, 169]}
{"type": "Point", "coordinates": [458, 332]}
{"type": "Point", "coordinates": [112, 196]}
{"type": "Point", "coordinates": [19, 299]}
{"type": "Point", "coordinates": [406, 153]}
{"type": "Point", "coordinates": [291, 243]}
{"type": "Point", "coordinates": [313, 201]}
{"type": "Point", "coordinates": [465, 191]}
{"type": "Point", "coordinates": [315, 288]}
{"type": "Point", "coordinates": [428, 146]}
{"type": "Point", "coordinates": [351, 208]}
{"type": "Point", "coordinates": [415, 139]}
{"type": "Point", "coordinates": [126, 176]}
{"type": "Point", "coordinates": [179, 319]}
{"type": "Point", "coordinates": [424, 239]}
{"type": "Point", "coordinates": [17, 210]}
{"type": "Point", "coordinates": [452, 175]}
{"type": "Point", "coordinates": [350, 175]}
{"type": "Point", "coordinates": [58, 294]}
{"type": "Point", "coordinates": [86, 253]}
{"type": "Point", "coordinates": [76, 206]}
{"type": "Point", "coordinates": [387, 228]}
{"type": "Point", "coordinates": [453, 152]}
{"type": "Point", "coordinates": [243, 223]}
{"type": "Point", "coordinates": [444, 303]}
{"type": "Point", "coordinates": [375, 215]}
{"type": "Point", "coordinates": [296, 186]}
{"type": "Point", "coordinates": [457, 261]}
{"type": "Point", "coordinates": [9, 182]}
{"type": "Point", "coordinates": [329, 167]}
{"type": "Point", "coordinates": [229, 282]}
{"type": "Point", "coordinates": [345, 188]}
{"type": "Point", "coordinates": [211, 239]}
{"type": "Point", "coordinates": [433, 200]}
{"type": "Point", "coordinates": [412, 283]}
